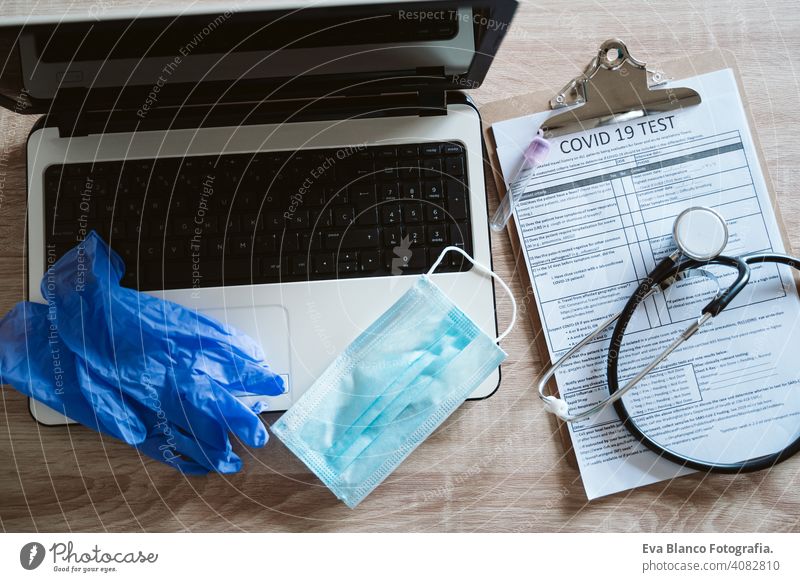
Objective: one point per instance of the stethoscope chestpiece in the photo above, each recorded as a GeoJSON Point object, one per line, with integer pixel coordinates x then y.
{"type": "Point", "coordinates": [700, 233]}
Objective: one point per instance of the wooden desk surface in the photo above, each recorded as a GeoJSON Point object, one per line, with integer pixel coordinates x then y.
{"type": "Point", "coordinates": [496, 465]}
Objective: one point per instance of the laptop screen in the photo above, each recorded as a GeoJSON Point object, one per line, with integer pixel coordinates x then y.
{"type": "Point", "coordinates": [229, 56]}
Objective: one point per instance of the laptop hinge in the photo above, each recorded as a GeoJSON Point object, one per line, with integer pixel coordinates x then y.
{"type": "Point", "coordinates": [432, 102]}
{"type": "Point", "coordinates": [423, 103]}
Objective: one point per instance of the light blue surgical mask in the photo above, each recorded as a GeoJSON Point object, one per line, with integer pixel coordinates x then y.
{"type": "Point", "coordinates": [391, 388]}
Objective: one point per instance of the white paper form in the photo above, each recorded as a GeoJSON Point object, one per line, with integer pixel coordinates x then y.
{"type": "Point", "coordinates": [595, 220]}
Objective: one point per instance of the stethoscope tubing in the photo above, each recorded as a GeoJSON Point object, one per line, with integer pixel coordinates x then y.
{"type": "Point", "coordinates": [660, 274]}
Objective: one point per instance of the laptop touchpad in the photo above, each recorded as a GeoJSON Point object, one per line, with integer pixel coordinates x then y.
{"type": "Point", "coordinates": [268, 325]}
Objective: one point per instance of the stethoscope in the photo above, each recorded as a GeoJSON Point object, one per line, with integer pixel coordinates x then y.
{"type": "Point", "coordinates": [700, 235]}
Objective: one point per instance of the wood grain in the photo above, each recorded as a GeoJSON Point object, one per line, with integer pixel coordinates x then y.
{"type": "Point", "coordinates": [496, 465]}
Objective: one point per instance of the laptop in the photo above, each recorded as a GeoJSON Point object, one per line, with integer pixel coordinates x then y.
{"type": "Point", "coordinates": [290, 170]}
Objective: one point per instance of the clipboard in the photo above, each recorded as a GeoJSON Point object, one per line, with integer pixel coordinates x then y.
{"type": "Point", "coordinates": [609, 92]}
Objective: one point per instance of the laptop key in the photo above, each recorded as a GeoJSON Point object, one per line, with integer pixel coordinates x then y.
{"type": "Point", "coordinates": [459, 233]}
{"type": "Point", "coordinates": [410, 190]}
{"type": "Point", "coordinates": [452, 148]}
{"type": "Point", "coordinates": [437, 236]}
{"type": "Point", "coordinates": [434, 213]}
{"type": "Point", "coordinates": [271, 268]}
{"type": "Point", "coordinates": [369, 261]}
{"type": "Point", "coordinates": [368, 217]}
{"type": "Point", "coordinates": [299, 265]}
{"type": "Point", "coordinates": [347, 267]}
{"type": "Point", "coordinates": [344, 216]}
{"type": "Point", "coordinates": [454, 166]}
{"type": "Point", "coordinates": [324, 264]}
{"type": "Point", "coordinates": [357, 238]}
{"type": "Point", "coordinates": [362, 194]}
{"type": "Point", "coordinates": [391, 236]}
{"type": "Point", "coordinates": [415, 234]}
{"type": "Point", "coordinates": [388, 191]}
{"type": "Point", "coordinates": [390, 214]}
{"type": "Point", "coordinates": [412, 213]}
{"type": "Point", "coordinates": [432, 191]}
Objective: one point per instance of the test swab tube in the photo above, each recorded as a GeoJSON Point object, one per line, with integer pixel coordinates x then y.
{"type": "Point", "coordinates": [534, 155]}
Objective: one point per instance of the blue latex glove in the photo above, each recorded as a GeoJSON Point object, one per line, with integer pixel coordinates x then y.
{"type": "Point", "coordinates": [147, 371]}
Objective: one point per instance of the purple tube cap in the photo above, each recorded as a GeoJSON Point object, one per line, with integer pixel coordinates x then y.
{"type": "Point", "coordinates": [537, 151]}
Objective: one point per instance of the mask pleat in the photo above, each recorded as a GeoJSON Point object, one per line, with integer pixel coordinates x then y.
{"type": "Point", "coordinates": [395, 398]}
{"type": "Point", "coordinates": [369, 381]}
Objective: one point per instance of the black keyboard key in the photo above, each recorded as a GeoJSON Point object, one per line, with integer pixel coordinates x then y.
{"type": "Point", "coordinates": [417, 261]}
{"type": "Point", "coordinates": [357, 238]}
{"type": "Point", "coordinates": [233, 225]}
{"type": "Point", "coordinates": [64, 231]}
{"type": "Point", "coordinates": [290, 243]}
{"type": "Point", "coordinates": [410, 190]}
{"type": "Point", "coordinates": [347, 267]}
{"type": "Point", "coordinates": [392, 236]}
{"type": "Point", "coordinates": [300, 219]}
{"type": "Point", "coordinates": [241, 270]}
{"type": "Point", "coordinates": [431, 168]}
{"type": "Point", "coordinates": [344, 216]}
{"type": "Point", "coordinates": [182, 226]}
{"type": "Point", "coordinates": [271, 268]}
{"type": "Point", "coordinates": [415, 234]}
{"type": "Point", "coordinates": [454, 166]}
{"type": "Point", "coordinates": [409, 151]}
{"type": "Point", "coordinates": [457, 204]}
{"type": "Point", "coordinates": [388, 191]}
{"type": "Point", "coordinates": [430, 149]}
{"type": "Point", "coordinates": [137, 229]}
{"type": "Point", "coordinates": [362, 194]}
{"type": "Point", "coordinates": [390, 214]}
{"type": "Point", "coordinates": [412, 212]}
{"type": "Point", "coordinates": [324, 264]}
{"type": "Point", "coordinates": [310, 241]}
{"type": "Point", "coordinates": [298, 265]}
{"type": "Point", "coordinates": [118, 230]}
{"type": "Point", "coordinates": [432, 191]}
{"type": "Point", "coordinates": [386, 153]}
{"type": "Point", "coordinates": [241, 245]}
{"type": "Point", "coordinates": [459, 233]}
{"type": "Point", "coordinates": [452, 148]}
{"type": "Point", "coordinates": [437, 236]}
{"type": "Point", "coordinates": [128, 253]}
{"type": "Point", "coordinates": [408, 169]}
{"type": "Point", "coordinates": [331, 240]}
{"type": "Point", "coordinates": [367, 217]}
{"type": "Point", "coordinates": [275, 221]}
{"type": "Point", "coordinates": [386, 171]}
{"type": "Point", "coordinates": [174, 250]}
{"type": "Point", "coordinates": [434, 213]}
{"type": "Point", "coordinates": [369, 261]}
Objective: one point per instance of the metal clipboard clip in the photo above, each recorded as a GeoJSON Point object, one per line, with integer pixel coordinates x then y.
{"type": "Point", "coordinates": [615, 87]}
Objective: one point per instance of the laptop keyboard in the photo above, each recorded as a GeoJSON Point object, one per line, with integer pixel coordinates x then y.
{"type": "Point", "coordinates": [268, 217]}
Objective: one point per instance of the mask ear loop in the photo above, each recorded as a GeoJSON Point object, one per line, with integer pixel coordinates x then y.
{"type": "Point", "coordinates": [485, 271]}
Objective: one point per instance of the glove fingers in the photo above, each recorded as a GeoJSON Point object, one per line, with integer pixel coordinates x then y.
{"type": "Point", "coordinates": [241, 376]}
{"type": "Point", "coordinates": [241, 420]}
{"type": "Point", "coordinates": [169, 444]}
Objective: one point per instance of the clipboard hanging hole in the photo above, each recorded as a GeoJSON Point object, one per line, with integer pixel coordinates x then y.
{"type": "Point", "coordinates": [613, 56]}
